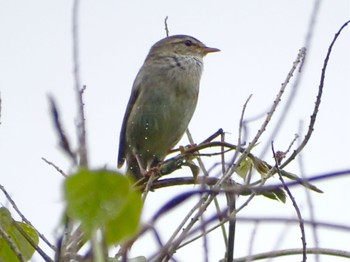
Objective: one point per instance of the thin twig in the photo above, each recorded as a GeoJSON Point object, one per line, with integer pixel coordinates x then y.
{"type": "Point", "coordinates": [297, 210]}
{"type": "Point", "coordinates": [262, 129]}
{"type": "Point", "coordinates": [223, 170]}
{"type": "Point", "coordinates": [259, 164]}
{"type": "Point", "coordinates": [192, 143]}
{"type": "Point", "coordinates": [298, 78]}
{"type": "Point", "coordinates": [203, 186]}
{"type": "Point", "coordinates": [206, 173]}
{"type": "Point", "coordinates": [79, 89]}
{"type": "Point", "coordinates": [13, 204]}
{"type": "Point", "coordinates": [318, 99]}
{"type": "Point", "coordinates": [166, 26]}
{"type": "Point", "coordinates": [32, 243]}
{"type": "Point", "coordinates": [289, 252]}
{"type": "Point", "coordinates": [12, 244]}
{"type": "Point", "coordinates": [242, 126]}
{"type": "Point", "coordinates": [59, 170]}
{"type": "Point", "coordinates": [205, 239]}
{"type": "Point", "coordinates": [251, 242]}
{"type": "Point", "coordinates": [309, 201]}
{"type": "Point", "coordinates": [273, 220]}
{"type": "Point", "coordinates": [242, 189]}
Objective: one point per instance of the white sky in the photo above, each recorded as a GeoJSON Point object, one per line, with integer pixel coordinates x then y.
{"type": "Point", "coordinates": [259, 41]}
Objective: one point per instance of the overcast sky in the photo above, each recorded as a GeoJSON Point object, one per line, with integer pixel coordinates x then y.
{"type": "Point", "coordinates": [259, 42]}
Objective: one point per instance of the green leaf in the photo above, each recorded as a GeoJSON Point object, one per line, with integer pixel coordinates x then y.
{"type": "Point", "coordinates": [17, 233]}
{"type": "Point", "coordinates": [244, 167]}
{"type": "Point", "coordinates": [97, 198]}
{"type": "Point", "coordinates": [276, 194]}
{"type": "Point", "coordinates": [303, 182]}
{"type": "Point", "coordinates": [127, 222]}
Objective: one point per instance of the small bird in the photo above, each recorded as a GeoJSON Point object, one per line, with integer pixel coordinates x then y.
{"type": "Point", "coordinates": [162, 101]}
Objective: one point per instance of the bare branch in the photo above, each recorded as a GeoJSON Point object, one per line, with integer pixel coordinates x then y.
{"type": "Point", "coordinates": [289, 252]}
{"type": "Point", "coordinates": [79, 89]}
{"type": "Point", "coordinates": [262, 129]}
{"type": "Point", "coordinates": [295, 205]}
{"type": "Point", "coordinates": [56, 167]}
{"type": "Point", "coordinates": [13, 204]}
{"type": "Point", "coordinates": [166, 26]}
{"type": "Point", "coordinates": [318, 99]}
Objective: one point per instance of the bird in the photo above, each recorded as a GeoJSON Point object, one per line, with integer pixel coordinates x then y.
{"type": "Point", "coordinates": [162, 102]}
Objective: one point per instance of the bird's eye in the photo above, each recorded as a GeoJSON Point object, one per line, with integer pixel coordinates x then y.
{"type": "Point", "coordinates": [188, 42]}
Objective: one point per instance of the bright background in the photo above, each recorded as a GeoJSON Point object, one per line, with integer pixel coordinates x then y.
{"type": "Point", "coordinates": [259, 42]}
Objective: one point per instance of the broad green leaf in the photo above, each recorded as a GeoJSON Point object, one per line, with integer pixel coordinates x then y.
{"type": "Point", "coordinates": [96, 198]}
{"type": "Point", "coordinates": [15, 232]}
{"type": "Point", "coordinates": [127, 222]}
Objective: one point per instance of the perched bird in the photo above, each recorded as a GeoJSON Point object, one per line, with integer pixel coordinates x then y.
{"type": "Point", "coordinates": [162, 101]}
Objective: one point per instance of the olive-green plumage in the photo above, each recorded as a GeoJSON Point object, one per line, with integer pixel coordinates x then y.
{"type": "Point", "coordinates": [162, 102]}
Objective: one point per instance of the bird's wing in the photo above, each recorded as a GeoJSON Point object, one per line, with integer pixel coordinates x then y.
{"type": "Point", "coordinates": [133, 97]}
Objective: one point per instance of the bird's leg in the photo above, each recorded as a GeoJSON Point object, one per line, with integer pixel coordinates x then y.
{"type": "Point", "coordinates": [153, 168]}
{"type": "Point", "coordinates": [150, 170]}
{"type": "Point", "coordinates": [142, 170]}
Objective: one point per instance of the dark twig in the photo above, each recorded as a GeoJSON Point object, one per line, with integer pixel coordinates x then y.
{"type": "Point", "coordinates": [59, 170]}
{"type": "Point", "coordinates": [297, 210]}
{"type": "Point", "coordinates": [12, 244]}
{"type": "Point", "coordinates": [318, 99]}
{"type": "Point", "coordinates": [295, 251]}
{"type": "Point", "coordinates": [223, 218]}
{"type": "Point", "coordinates": [203, 187]}
{"type": "Point", "coordinates": [177, 161]}
{"type": "Point", "coordinates": [242, 189]}
{"type": "Point", "coordinates": [242, 125]}
{"type": "Point", "coordinates": [309, 202]}
{"type": "Point", "coordinates": [242, 128]}
{"type": "Point", "coordinates": [31, 242]}
{"type": "Point", "coordinates": [220, 133]}
{"type": "Point", "coordinates": [63, 140]}
{"type": "Point", "coordinates": [70, 240]}
{"type": "Point", "coordinates": [13, 204]}
{"type": "Point", "coordinates": [81, 128]}
{"type": "Point", "coordinates": [166, 26]}
{"type": "Point", "coordinates": [231, 203]}
{"type": "Point", "coordinates": [271, 112]}
{"type": "Point", "coordinates": [273, 220]}
{"type": "Point", "coordinates": [299, 77]}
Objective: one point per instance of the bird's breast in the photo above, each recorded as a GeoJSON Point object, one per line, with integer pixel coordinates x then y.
{"type": "Point", "coordinates": [167, 99]}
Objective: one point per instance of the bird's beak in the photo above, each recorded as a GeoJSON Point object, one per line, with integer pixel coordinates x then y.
{"type": "Point", "coordinates": [207, 50]}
